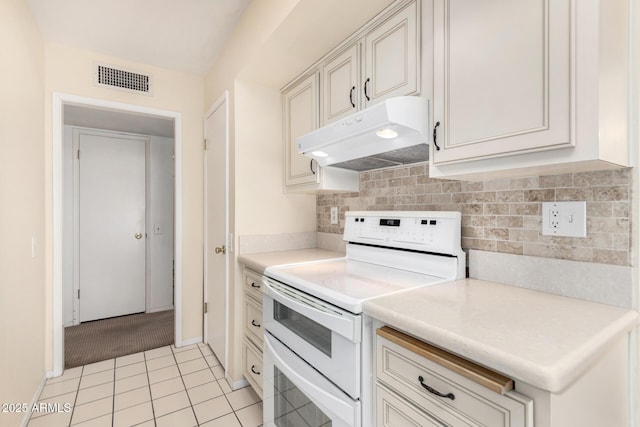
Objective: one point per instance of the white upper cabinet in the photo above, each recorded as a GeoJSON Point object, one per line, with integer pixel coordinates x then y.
{"type": "Point", "coordinates": [523, 86]}
{"type": "Point", "coordinates": [301, 115]}
{"type": "Point", "coordinates": [341, 88]}
{"type": "Point", "coordinates": [382, 62]}
{"type": "Point", "coordinates": [392, 57]}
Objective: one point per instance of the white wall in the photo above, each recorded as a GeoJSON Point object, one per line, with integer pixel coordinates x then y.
{"type": "Point", "coordinates": [273, 42]}
{"type": "Point", "coordinates": [160, 184]}
{"type": "Point", "coordinates": [160, 195]}
{"type": "Point", "coordinates": [69, 71]}
{"type": "Point", "coordinates": [22, 207]}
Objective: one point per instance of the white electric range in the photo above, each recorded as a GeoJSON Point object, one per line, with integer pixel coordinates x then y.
{"type": "Point", "coordinates": [318, 349]}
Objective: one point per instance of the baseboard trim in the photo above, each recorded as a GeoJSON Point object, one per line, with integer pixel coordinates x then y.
{"type": "Point", "coordinates": [235, 385]}
{"type": "Point", "coordinates": [190, 341]}
{"type": "Point", "coordinates": [155, 310]}
{"type": "Point", "coordinates": [36, 397]}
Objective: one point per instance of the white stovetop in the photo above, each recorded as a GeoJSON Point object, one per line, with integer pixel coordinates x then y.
{"type": "Point", "coordinates": [348, 283]}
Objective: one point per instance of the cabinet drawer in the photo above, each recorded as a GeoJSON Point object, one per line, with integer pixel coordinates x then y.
{"type": "Point", "coordinates": [253, 320]}
{"type": "Point", "coordinates": [252, 283]}
{"type": "Point", "coordinates": [252, 364]}
{"type": "Point", "coordinates": [393, 411]}
{"type": "Point", "coordinates": [468, 403]}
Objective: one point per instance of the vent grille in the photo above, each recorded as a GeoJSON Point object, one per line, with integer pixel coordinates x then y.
{"type": "Point", "coordinates": [122, 79]}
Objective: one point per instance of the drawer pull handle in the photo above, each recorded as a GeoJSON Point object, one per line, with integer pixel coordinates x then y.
{"type": "Point", "coordinates": [434, 391]}
{"type": "Point", "coordinates": [255, 285]}
{"type": "Point", "coordinates": [254, 371]}
{"type": "Point", "coordinates": [253, 322]}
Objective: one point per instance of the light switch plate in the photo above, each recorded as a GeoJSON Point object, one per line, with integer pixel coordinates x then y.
{"type": "Point", "coordinates": [564, 219]}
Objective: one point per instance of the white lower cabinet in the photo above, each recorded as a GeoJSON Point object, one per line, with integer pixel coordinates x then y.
{"type": "Point", "coordinates": [252, 327]}
{"type": "Point", "coordinates": [252, 365]}
{"type": "Point", "coordinates": [394, 410]}
{"type": "Point", "coordinates": [417, 384]}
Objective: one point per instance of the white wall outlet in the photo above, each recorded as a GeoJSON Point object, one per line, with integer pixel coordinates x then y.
{"type": "Point", "coordinates": [334, 214]}
{"type": "Point", "coordinates": [564, 219]}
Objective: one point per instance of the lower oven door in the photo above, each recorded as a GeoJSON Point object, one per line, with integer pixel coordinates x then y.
{"type": "Point", "coordinates": [325, 336]}
{"type": "Point", "coordinates": [295, 394]}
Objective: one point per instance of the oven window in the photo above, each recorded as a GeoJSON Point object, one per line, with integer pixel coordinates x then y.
{"type": "Point", "coordinates": [292, 408]}
{"type": "Point", "coordinates": [312, 332]}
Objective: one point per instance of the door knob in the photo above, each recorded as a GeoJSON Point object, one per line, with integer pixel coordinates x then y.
{"type": "Point", "coordinates": [138, 236]}
{"type": "Point", "coordinates": [221, 250]}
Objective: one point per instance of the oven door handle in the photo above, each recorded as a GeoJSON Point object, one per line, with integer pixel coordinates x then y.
{"type": "Point", "coordinates": [339, 321]}
{"type": "Point", "coordinates": [327, 401]}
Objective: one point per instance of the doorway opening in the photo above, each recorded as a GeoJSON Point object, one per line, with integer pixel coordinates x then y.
{"type": "Point", "coordinates": [91, 125]}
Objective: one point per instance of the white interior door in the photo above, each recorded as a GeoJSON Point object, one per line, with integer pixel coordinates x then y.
{"type": "Point", "coordinates": [216, 229]}
{"type": "Point", "coordinates": [111, 237]}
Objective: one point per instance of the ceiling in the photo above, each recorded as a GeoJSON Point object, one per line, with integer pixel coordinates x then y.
{"type": "Point", "coordinates": [184, 35]}
{"type": "Point", "coordinates": [100, 118]}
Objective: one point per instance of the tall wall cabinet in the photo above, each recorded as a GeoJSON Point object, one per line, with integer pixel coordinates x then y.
{"type": "Point", "coordinates": [379, 61]}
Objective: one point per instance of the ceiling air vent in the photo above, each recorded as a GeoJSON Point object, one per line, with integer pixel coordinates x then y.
{"type": "Point", "coordinates": [107, 76]}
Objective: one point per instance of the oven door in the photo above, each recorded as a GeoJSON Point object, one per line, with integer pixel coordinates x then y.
{"type": "Point", "coordinates": [325, 336]}
{"type": "Point", "coordinates": [295, 394]}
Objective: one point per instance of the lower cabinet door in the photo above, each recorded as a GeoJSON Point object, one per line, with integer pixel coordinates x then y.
{"type": "Point", "coordinates": [252, 363]}
{"type": "Point", "coordinates": [392, 411]}
{"type": "Point", "coordinates": [253, 320]}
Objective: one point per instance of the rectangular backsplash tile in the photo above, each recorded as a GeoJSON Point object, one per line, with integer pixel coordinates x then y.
{"type": "Point", "coordinates": [503, 215]}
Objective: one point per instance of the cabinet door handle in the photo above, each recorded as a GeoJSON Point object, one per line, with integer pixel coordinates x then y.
{"type": "Point", "coordinates": [255, 285]}
{"type": "Point", "coordinates": [435, 136]}
{"type": "Point", "coordinates": [311, 167]}
{"type": "Point", "coordinates": [253, 322]}
{"type": "Point", "coordinates": [351, 96]}
{"type": "Point", "coordinates": [365, 89]}
{"type": "Point", "coordinates": [434, 391]}
{"type": "Point", "coordinates": [254, 370]}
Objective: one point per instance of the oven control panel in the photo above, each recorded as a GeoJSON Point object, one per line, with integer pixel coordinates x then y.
{"type": "Point", "coordinates": [430, 231]}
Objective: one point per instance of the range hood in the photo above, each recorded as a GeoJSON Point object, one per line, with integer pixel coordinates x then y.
{"type": "Point", "coordinates": [392, 132]}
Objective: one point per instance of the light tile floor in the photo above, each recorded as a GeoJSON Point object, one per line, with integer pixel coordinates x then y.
{"type": "Point", "coordinates": [167, 386]}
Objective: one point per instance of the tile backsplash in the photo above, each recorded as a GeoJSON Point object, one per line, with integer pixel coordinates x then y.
{"type": "Point", "coordinates": [503, 215]}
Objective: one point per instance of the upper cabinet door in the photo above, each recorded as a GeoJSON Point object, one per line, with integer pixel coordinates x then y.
{"type": "Point", "coordinates": [341, 85]}
{"type": "Point", "coordinates": [301, 116]}
{"type": "Point", "coordinates": [502, 77]}
{"type": "Point", "coordinates": [391, 57]}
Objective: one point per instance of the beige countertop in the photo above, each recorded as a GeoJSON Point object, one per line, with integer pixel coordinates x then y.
{"type": "Point", "coordinates": [259, 261]}
{"type": "Point", "coordinates": [542, 339]}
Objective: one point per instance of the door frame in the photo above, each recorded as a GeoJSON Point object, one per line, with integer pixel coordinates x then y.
{"type": "Point", "coordinates": [59, 100]}
{"type": "Point", "coordinates": [222, 102]}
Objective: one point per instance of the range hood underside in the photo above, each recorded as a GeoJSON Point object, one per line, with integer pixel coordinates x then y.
{"type": "Point", "coordinates": [402, 156]}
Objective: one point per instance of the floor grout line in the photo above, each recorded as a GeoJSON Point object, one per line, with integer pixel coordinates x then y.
{"type": "Point", "coordinates": [193, 410]}
{"type": "Point", "coordinates": [171, 352]}
{"type": "Point", "coordinates": [153, 411]}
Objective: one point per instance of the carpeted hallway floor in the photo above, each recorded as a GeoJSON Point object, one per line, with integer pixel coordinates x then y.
{"type": "Point", "coordinates": [116, 337]}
